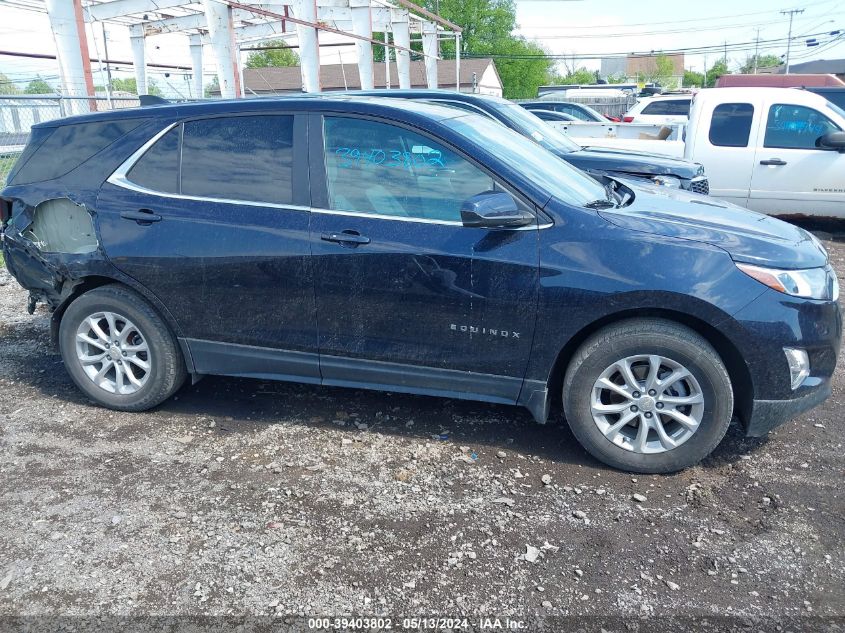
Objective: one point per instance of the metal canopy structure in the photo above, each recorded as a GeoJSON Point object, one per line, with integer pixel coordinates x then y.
{"type": "Point", "coordinates": [223, 27]}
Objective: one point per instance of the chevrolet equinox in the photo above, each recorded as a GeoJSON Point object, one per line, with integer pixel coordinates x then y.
{"type": "Point", "coordinates": [410, 247]}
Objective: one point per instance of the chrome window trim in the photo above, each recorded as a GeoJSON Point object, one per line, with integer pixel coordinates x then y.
{"type": "Point", "coordinates": [119, 178]}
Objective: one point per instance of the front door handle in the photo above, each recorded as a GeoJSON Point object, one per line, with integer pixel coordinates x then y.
{"type": "Point", "coordinates": [345, 238]}
{"type": "Point", "coordinates": [144, 217]}
{"type": "Point", "coordinates": [773, 161]}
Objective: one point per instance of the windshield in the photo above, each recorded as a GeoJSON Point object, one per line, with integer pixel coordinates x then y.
{"type": "Point", "coordinates": [557, 177]}
{"type": "Point", "coordinates": [535, 128]}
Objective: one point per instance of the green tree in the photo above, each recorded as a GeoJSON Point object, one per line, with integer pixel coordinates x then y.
{"type": "Point", "coordinates": [522, 76]}
{"type": "Point", "coordinates": [487, 29]}
{"type": "Point", "coordinates": [693, 79]}
{"type": "Point", "coordinates": [662, 73]}
{"type": "Point", "coordinates": [278, 57]}
{"type": "Point", "coordinates": [38, 87]}
{"type": "Point", "coordinates": [131, 86]}
{"type": "Point", "coordinates": [579, 75]}
{"type": "Point", "coordinates": [763, 61]}
{"type": "Point", "coordinates": [7, 86]}
{"type": "Point", "coordinates": [715, 71]}
{"type": "Point", "coordinates": [213, 87]}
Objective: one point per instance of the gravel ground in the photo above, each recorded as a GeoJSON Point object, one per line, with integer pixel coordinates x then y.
{"type": "Point", "coordinates": [252, 498]}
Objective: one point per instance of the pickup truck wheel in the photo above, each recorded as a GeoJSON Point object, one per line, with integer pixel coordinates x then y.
{"type": "Point", "coordinates": [648, 396]}
{"type": "Point", "coordinates": [118, 350]}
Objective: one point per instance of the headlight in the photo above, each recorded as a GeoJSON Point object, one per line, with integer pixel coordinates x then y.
{"type": "Point", "coordinates": [810, 283]}
{"type": "Point", "coordinates": [667, 181]}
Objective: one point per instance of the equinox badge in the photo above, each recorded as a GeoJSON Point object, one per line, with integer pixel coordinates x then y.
{"type": "Point", "coordinates": [471, 329]}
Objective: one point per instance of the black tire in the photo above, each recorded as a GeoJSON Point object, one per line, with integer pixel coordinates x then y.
{"type": "Point", "coordinates": [648, 336]}
{"type": "Point", "coordinates": [167, 370]}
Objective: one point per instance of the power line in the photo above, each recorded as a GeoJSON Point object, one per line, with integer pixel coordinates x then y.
{"type": "Point", "coordinates": [736, 47]}
{"type": "Point", "coordinates": [697, 20]}
{"type": "Point", "coordinates": [527, 32]}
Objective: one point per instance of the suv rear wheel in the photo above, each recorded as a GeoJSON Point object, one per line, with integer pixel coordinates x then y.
{"type": "Point", "coordinates": [648, 396]}
{"type": "Point", "coordinates": [118, 350]}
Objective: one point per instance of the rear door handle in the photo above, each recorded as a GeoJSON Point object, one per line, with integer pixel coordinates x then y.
{"type": "Point", "coordinates": [345, 238]}
{"type": "Point", "coordinates": [141, 216]}
{"type": "Point", "coordinates": [773, 161]}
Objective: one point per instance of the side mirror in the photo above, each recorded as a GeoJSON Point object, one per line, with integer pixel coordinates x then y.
{"type": "Point", "coordinates": [832, 140]}
{"type": "Point", "coordinates": [494, 209]}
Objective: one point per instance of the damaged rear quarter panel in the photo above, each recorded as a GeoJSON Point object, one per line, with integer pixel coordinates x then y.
{"type": "Point", "coordinates": [50, 271]}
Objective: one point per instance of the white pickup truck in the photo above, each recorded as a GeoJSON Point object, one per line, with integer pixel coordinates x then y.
{"type": "Point", "coordinates": [779, 151]}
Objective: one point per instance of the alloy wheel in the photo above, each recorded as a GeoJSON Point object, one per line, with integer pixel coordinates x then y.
{"type": "Point", "coordinates": [647, 403]}
{"type": "Point", "coordinates": [113, 353]}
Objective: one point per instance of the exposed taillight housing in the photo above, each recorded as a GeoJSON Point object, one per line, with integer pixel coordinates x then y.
{"type": "Point", "coordinates": [627, 119]}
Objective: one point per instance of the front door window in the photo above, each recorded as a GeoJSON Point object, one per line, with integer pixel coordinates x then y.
{"type": "Point", "coordinates": [374, 168]}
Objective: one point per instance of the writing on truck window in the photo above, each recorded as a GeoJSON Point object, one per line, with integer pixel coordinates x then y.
{"type": "Point", "coordinates": [419, 155]}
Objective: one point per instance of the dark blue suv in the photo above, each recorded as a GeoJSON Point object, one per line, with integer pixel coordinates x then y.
{"type": "Point", "coordinates": [410, 247]}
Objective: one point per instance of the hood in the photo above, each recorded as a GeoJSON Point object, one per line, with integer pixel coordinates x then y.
{"type": "Point", "coordinates": [747, 236]}
{"type": "Point", "coordinates": [631, 162]}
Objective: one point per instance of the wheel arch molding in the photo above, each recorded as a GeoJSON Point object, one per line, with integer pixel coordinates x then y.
{"type": "Point", "coordinates": [724, 343]}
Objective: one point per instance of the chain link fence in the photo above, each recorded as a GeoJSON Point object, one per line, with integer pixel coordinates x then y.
{"type": "Point", "coordinates": [18, 113]}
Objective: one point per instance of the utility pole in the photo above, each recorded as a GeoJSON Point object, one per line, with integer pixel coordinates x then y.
{"type": "Point", "coordinates": [756, 50]}
{"type": "Point", "coordinates": [791, 13]}
{"type": "Point", "coordinates": [705, 71]}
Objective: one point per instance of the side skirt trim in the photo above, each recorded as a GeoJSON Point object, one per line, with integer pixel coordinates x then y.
{"type": "Point", "coordinates": [229, 359]}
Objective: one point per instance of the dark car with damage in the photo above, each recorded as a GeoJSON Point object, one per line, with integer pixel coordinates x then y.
{"type": "Point", "coordinates": [664, 171]}
{"type": "Point", "coordinates": [409, 247]}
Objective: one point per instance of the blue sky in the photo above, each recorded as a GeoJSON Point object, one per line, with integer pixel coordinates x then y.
{"type": "Point", "coordinates": [570, 28]}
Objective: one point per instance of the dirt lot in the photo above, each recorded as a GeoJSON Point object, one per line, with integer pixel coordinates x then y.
{"type": "Point", "coordinates": [243, 497]}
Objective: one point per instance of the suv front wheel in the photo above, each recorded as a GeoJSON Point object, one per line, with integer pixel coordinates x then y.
{"type": "Point", "coordinates": [648, 395]}
{"type": "Point", "coordinates": [119, 351]}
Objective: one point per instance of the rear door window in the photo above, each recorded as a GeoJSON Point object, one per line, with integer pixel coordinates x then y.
{"type": "Point", "coordinates": [241, 158]}
{"type": "Point", "coordinates": [731, 124]}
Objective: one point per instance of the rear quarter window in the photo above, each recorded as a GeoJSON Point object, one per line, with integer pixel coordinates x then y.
{"type": "Point", "coordinates": [68, 146]}
{"type": "Point", "coordinates": [731, 124]}
{"type": "Point", "coordinates": [158, 168]}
